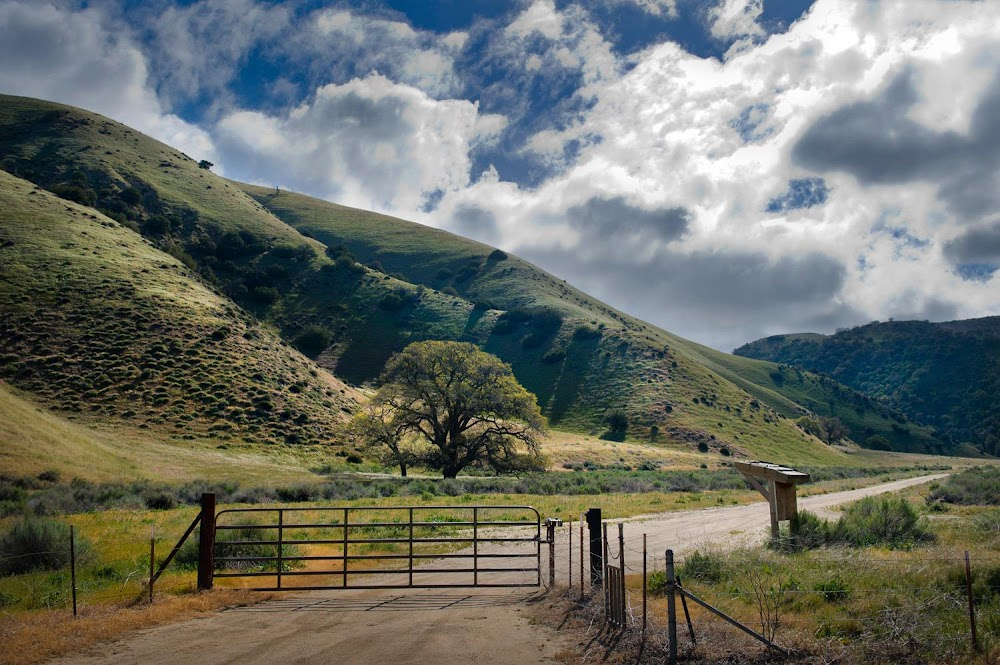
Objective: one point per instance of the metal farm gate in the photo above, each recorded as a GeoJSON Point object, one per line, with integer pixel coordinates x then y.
{"type": "Point", "coordinates": [272, 549]}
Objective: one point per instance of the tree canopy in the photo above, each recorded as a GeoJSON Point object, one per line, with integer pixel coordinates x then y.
{"type": "Point", "coordinates": [463, 402]}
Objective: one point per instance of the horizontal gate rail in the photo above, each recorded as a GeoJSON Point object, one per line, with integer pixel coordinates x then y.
{"type": "Point", "coordinates": [247, 546]}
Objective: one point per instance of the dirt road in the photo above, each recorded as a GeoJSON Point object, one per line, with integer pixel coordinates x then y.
{"type": "Point", "coordinates": [399, 627]}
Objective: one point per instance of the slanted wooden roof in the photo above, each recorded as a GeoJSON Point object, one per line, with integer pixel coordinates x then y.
{"type": "Point", "coordinates": [771, 471]}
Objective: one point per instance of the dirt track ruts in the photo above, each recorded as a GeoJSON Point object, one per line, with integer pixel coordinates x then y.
{"type": "Point", "coordinates": [413, 627]}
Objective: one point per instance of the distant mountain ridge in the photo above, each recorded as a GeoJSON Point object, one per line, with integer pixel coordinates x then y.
{"type": "Point", "coordinates": [946, 375]}
{"type": "Point", "coordinates": [349, 287]}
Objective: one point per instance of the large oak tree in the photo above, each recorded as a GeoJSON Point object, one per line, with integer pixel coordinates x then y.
{"type": "Point", "coordinates": [465, 403]}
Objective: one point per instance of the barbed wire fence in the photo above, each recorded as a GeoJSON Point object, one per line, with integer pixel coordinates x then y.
{"type": "Point", "coordinates": [924, 602]}
{"type": "Point", "coordinates": [84, 581]}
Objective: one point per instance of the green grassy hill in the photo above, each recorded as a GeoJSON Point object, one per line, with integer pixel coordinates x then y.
{"type": "Point", "coordinates": [297, 265]}
{"type": "Point", "coordinates": [97, 322]}
{"type": "Point", "coordinates": [946, 375]}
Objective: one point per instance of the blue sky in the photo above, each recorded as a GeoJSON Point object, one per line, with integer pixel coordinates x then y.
{"type": "Point", "coordinates": [725, 169]}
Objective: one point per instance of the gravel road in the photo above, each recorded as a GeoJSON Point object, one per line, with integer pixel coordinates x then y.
{"type": "Point", "coordinates": [414, 627]}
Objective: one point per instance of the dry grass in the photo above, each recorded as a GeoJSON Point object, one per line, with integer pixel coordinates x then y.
{"type": "Point", "coordinates": [38, 636]}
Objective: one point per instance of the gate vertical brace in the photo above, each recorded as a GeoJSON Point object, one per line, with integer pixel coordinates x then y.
{"type": "Point", "coordinates": [581, 558]}
{"type": "Point", "coordinates": [281, 538]}
{"type": "Point", "coordinates": [550, 535]}
{"type": "Point", "coordinates": [604, 569]}
{"type": "Point", "coordinates": [475, 546]}
{"type": "Point", "coordinates": [671, 608]}
{"type": "Point", "coordinates": [569, 528]}
{"type": "Point", "coordinates": [345, 547]}
{"type": "Point", "coordinates": [411, 546]}
{"type": "Point", "coordinates": [538, 550]}
{"type": "Point", "coordinates": [206, 543]}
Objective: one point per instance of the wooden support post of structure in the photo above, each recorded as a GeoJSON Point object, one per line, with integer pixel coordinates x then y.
{"type": "Point", "coordinates": [777, 484]}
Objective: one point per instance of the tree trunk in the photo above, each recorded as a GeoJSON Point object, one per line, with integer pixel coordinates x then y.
{"type": "Point", "coordinates": [402, 470]}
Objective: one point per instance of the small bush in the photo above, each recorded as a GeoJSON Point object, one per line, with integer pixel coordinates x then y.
{"type": "Point", "coordinates": [313, 340]}
{"type": "Point", "coordinates": [706, 567]}
{"type": "Point", "coordinates": [978, 486]}
{"type": "Point", "coordinates": [37, 544]}
{"type": "Point", "coordinates": [833, 591]}
{"type": "Point", "coordinates": [887, 521]}
{"type": "Point", "coordinates": [584, 332]}
{"type": "Point", "coordinates": [656, 583]}
{"type": "Point", "coordinates": [553, 356]}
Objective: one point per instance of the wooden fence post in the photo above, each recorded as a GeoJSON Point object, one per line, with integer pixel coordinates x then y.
{"type": "Point", "coordinates": [671, 608]}
{"type": "Point", "coordinates": [972, 602]}
{"type": "Point", "coordinates": [206, 543]}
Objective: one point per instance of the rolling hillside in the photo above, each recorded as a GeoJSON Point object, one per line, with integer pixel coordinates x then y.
{"type": "Point", "coordinates": [95, 321]}
{"type": "Point", "coordinates": [345, 286]}
{"type": "Point", "coordinates": [946, 375]}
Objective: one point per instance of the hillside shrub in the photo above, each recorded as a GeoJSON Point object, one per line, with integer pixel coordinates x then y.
{"type": "Point", "coordinates": [585, 332]}
{"type": "Point", "coordinates": [497, 255]}
{"type": "Point", "coordinates": [553, 356]}
{"type": "Point", "coordinates": [78, 193]}
{"type": "Point", "coordinates": [264, 295]}
{"type": "Point", "coordinates": [313, 340]}
{"type": "Point", "coordinates": [36, 543]}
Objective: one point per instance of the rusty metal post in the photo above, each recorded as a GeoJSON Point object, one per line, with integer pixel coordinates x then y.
{"type": "Point", "coordinates": [152, 561]}
{"type": "Point", "coordinates": [569, 529]}
{"type": "Point", "coordinates": [644, 582]}
{"type": "Point", "coordinates": [72, 564]}
{"type": "Point", "coordinates": [671, 608]}
{"type": "Point", "coordinates": [475, 547]}
{"type": "Point", "coordinates": [972, 602]}
{"type": "Point", "coordinates": [206, 543]}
